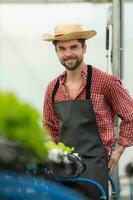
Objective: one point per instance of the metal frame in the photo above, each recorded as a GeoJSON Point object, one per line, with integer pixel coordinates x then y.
{"type": "Point", "coordinates": [54, 1]}
{"type": "Point", "coordinates": [117, 61]}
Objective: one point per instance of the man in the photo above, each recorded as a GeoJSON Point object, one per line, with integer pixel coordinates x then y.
{"type": "Point", "coordinates": [81, 105]}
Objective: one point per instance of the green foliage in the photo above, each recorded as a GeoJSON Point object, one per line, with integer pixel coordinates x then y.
{"type": "Point", "coordinates": [20, 122]}
{"type": "Point", "coordinates": [60, 146]}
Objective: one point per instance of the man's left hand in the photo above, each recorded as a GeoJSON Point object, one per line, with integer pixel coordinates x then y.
{"type": "Point", "coordinates": [114, 157]}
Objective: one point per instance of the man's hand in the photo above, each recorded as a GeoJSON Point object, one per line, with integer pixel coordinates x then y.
{"type": "Point", "coordinates": [114, 157]}
{"type": "Point", "coordinates": [70, 169]}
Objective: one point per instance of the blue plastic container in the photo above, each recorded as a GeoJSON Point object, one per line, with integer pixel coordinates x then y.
{"type": "Point", "coordinates": [18, 186]}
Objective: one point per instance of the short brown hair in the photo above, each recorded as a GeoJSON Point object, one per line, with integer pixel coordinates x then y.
{"type": "Point", "coordinates": [82, 41]}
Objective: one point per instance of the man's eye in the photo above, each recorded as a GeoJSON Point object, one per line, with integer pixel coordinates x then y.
{"type": "Point", "coordinates": [74, 47]}
{"type": "Point", "coordinates": [61, 49]}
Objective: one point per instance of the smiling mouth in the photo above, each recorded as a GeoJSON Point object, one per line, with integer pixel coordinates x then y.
{"type": "Point", "coordinates": [70, 59]}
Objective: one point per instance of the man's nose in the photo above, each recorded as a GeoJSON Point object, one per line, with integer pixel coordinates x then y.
{"type": "Point", "coordinates": [68, 53]}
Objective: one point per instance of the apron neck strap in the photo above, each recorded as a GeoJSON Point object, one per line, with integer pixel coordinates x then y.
{"type": "Point", "coordinates": [55, 90]}
{"type": "Point", "coordinates": [88, 84]}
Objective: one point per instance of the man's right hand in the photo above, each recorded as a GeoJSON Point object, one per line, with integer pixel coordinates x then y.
{"type": "Point", "coordinates": [71, 169]}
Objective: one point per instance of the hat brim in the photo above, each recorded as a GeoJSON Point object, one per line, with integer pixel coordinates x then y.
{"type": "Point", "coordinates": [70, 36]}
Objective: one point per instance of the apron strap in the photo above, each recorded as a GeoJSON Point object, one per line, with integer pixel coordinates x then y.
{"type": "Point", "coordinates": [55, 90]}
{"type": "Point", "coordinates": [88, 84]}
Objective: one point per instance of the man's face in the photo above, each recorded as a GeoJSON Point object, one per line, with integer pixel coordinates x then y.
{"type": "Point", "coordinates": [70, 53]}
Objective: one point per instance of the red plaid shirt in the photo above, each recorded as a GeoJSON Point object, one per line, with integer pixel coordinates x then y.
{"type": "Point", "coordinates": [108, 99]}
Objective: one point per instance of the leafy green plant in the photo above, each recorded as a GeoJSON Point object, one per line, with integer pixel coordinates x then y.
{"type": "Point", "coordinates": [20, 122]}
{"type": "Point", "coordinates": [50, 145]}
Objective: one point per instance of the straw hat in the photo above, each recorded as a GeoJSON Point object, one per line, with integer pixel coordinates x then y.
{"type": "Point", "coordinates": [69, 32]}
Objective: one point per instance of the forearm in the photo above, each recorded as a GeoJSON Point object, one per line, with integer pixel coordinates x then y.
{"type": "Point", "coordinates": [115, 156]}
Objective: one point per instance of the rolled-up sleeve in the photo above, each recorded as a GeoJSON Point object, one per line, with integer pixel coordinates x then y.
{"type": "Point", "coordinates": [50, 121]}
{"type": "Point", "coordinates": [122, 105]}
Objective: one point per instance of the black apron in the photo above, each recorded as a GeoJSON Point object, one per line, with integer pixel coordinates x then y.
{"type": "Point", "coordinates": [78, 129]}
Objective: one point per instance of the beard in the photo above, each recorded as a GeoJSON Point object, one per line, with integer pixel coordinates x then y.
{"type": "Point", "coordinates": [72, 62]}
